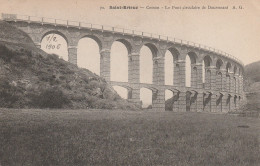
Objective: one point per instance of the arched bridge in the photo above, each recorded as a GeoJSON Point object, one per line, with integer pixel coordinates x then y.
{"type": "Point", "coordinates": [219, 91]}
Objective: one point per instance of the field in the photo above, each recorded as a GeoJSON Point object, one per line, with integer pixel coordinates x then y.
{"type": "Point", "coordinates": [101, 137]}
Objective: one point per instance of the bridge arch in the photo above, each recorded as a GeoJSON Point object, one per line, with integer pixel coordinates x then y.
{"type": "Point", "coordinates": [175, 53]}
{"type": "Point", "coordinates": [190, 62]}
{"type": "Point", "coordinates": [207, 60]}
{"type": "Point", "coordinates": [127, 44]}
{"type": "Point", "coordinates": [236, 79]}
{"type": "Point", "coordinates": [194, 77]}
{"type": "Point", "coordinates": [228, 102]}
{"type": "Point", "coordinates": [219, 81]}
{"type": "Point", "coordinates": [148, 53]}
{"type": "Point", "coordinates": [235, 69]}
{"type": "Point", "coordinates": [228, 84]}
{"type": "Point", "coordinates": [220, 74]}
{"type": "Point", "coordinates": [228, 76]}
{"type": "Point", "coordinates": [119, 60]}
{"type": "Point", "coordinates": [206, 71]}
{"type": "Point", "coordinates": [207, 101]}
{"type": "Point", "coordinates": [235, 102]}
{"type": "Point", "coordinates": [191, 100]}
{"type": "Point", "coordinates": [219, 101]}
{"type": "Point", "coordinates": [171, 99]}
{"type": "Point", "coordinates": [93, 37]}
{"type": "Point", "coordinates": [168, 97]}
{"type": "Point", "coordinates": [55, 42]}
{"type": "Point", "coordinates": [147, 96]}
{"type": "Point", "coordinates": [124, 91]}
{"type": "Point", "coordinates": [193, 57]}
{"type": "Point", "coordinates": [153, 89]}
{"type": "Point", "coordinates": [170, 58]}
{"type": "Point", "coordinates": [88, 53]}
{"type": "Point", "coordinates": [48, 32]}
{"type": "Point", "coordinates": [228, 67]}
{"type": "Point", "coordinates": [219, 64]}
{"type": "Point", "coordinates": [152, 47]}
{"type": "Point", "coordinates": [235, 84]}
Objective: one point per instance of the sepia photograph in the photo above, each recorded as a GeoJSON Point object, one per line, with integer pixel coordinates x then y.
{"type": "Point", "coordinates": [130, 82]}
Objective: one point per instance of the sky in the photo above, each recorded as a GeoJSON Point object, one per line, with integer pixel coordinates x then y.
{"type": "Point", "coordinates": [235, 31]}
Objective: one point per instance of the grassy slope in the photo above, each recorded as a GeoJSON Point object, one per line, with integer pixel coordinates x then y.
{"type": "Point", "coordinates": [28, 74]}
{"type": "Point", "coordinates": [79, 137]}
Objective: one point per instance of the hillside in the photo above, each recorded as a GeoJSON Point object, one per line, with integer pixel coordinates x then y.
{"type": "Point", "coordinates": [31, 78]}
{"type": "Point", "coordinates": [252, 77]}
{"type": "Point", "coordinates": [252, 71]}
{"type": "Point", "coordinates": [252, 87]}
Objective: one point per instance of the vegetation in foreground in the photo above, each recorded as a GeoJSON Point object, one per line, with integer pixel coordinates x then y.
{"type": "Point", "coordinates": [81, 137]}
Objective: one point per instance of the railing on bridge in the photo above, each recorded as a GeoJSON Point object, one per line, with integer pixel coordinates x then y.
{"type": "Point", "coordinates": [68, 23]}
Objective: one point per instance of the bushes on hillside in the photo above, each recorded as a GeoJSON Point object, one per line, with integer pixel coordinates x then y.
{"type": "Point", "coordinates": [95, 102]}
{"type": "Point", "coordinates": [51, 98]}
{"type": "Point", "coordinates": [8, 94]}
{"type": "Point", "coordinates": [5, 53]}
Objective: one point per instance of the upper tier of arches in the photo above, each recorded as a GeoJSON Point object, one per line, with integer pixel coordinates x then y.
{"type": "Point", "coordinates": [134, 45]}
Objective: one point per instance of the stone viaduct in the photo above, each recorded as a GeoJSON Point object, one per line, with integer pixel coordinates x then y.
{"type": "Point", "coordinates": [222, 90]}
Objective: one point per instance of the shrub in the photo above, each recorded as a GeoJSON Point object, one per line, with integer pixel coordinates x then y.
{"type": "Point", "coordinates": [51, 98]}
{"type": "Point", "coordinates": [6, 54]}
{"type": "Point", "coordinates": [104, 104]}
{"type": "Point", "coordinates": [8, 94]}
